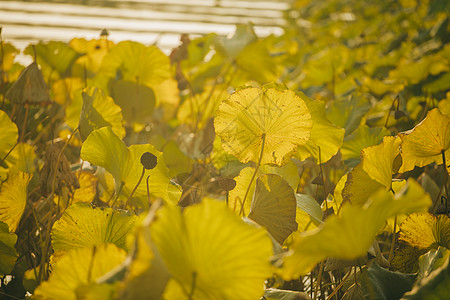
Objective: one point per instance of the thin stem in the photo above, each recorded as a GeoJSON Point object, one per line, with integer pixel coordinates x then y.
{"type": "Point", "coordinates": [194, 279]}
{"type": "Point", "coordinates": [391, 251]}
{"type": "Point", "coordinates": [319, 278]}
{"type": "Point", "coordinates": [445, 179]}
{"type": "Point", "coordinates": [340, 285]}
{"type": "Point", "coordinates": [117, 194]}
{"type": "Point", "coordinates": [254, 173]}
{"type": "Point", "coordinates": [148, 192]}
{"type": "Point", "coordinates": [135, 187]}
{"type": "Point", "coordinates": [91, 264]}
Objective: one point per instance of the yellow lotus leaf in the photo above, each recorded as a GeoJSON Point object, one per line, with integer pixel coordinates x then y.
{"type": "Point", "coordinates": [253, 120]}
{"type": "Point", "coordinates": [425, 231]}
{"type": "Point", "coordinates": [103, 148]}
{"type": "Point", "coordinates": [351, 235]}
{"type": "Point", "coordinates": [86, 192]}
{"type": "Point", "coordinates": [359, 186]}
{"type": "Point", "coordinates": [274, 206]}
{"type": "Point", "coordinates": [147, 273]}
{"type": "Point", "coordinates": [13, 199]}
{"type": "Point", "coordinates": [406, 258]}
{"type": "Point", "coordinates": [78, 268]}
{"type": "Point", "coordinates": [427, 141]}
{"type": "Point", "coordinates": [64, 90]}
{"type": "Point", "coordinates": [197, 109]}
{"type": "Point", "coordinates": [99, 111]}
{"type": "Point", "coordinates": [8, 135]}
{"type": "Point", "coordinates": [444, 105]}
{"type": "Point", "coordinates": [22, 159]}
{"type": "Point", "coordinates": [81, 226]}
{"type": "Point", "coordinates": [324, 135]}
{"type": "Point", "coordinates": [168, 96]}
{"type": "Point", "coordinates": [211, 252]}
{"type": "Point", "coordinates": [364, 136]}
{"type": "Point", "coordinates": [135, 62]}
{"type": "Point", "coordinates": [94, 50]}
{"type": "Point", "coordinates": [236, 196]}
{"type": "Point", "coordinates": [8, 253]}
{"type": "Point", "coordinates": [88, 187]}
{"type": "Point", "coordinates": [137, 101]}
{"type": "Point", "coordinates": [378, 161]}
{"type": "Point", "coordinates": [337, 199]}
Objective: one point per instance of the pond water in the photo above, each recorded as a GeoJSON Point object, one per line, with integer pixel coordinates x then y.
{"type": "Point", "coordinates": [146, 21]}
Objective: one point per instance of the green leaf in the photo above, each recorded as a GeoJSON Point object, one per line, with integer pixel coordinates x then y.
{"type": "Point", "coordinates": [276, 294]}
{"type": "Point", "coordinates": [211, 253]}
{"type": "Point", "coordinates": [8, 254]}
{"type": "Point", "coordinates": [99, 111]}
{"type": "Point", "coordinates": [351, 235]}
{"type": "Point", "coordinates": [136, 100]}
{"type": "Point", "coordinates": [435, 286]}
{"type": "Point", "coordinates": [309, 205]}
{"type": "Point", "coordinates": [364, 136]}
{"type": "Point", "coordinates": [83, 226]}
{"type": "Point", "coordinates": [274, 206]}
{"type": "Point", "coordinates": [347, 112]}
{"type": "Point", "coordinates": [53, 56]}
{"type": "Point", "coordinates": [252, 119]}
{"type": "Point", "coordinates": [325, 136]}
{"type": "Point", "coordinates": [380, 283]}
{"type": "Point", "coordinates": [78, 269]}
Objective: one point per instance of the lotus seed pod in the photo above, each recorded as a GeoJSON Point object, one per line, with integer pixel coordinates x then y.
{"type": "Point", "coordinates": [149, 160]}
{"type": "Point", "coordinates": [227, 183]}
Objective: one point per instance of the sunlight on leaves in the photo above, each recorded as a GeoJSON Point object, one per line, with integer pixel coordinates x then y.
{"type": "Point", "coordinates": [425, 231]}
{"type": "Point", "coordinates": [253, 118]}
{"type": "Point", "coordinates": [8, 135]}
{"type": "Point", "coordinates": [99, 111]}
{"type": "Point", "coordinates": [132, 61]}
{"type": "Point", "coordinates": [378, 161]}
{"type": "Point", "coordinates": [103, 148]}
{"type": "Point", "coordinates": [423, 145]}
{"type": "Point", "coordinates": [147, 275]}
{"type": "Point", "coordinates": [351, 235]}
{"type": "Point", "coordinates": [79, 267]}
{"type": "Point", "coordinates": [82, 226]}
{"type": "Point", "coordinates": [359, 186]}
{"type": "Point", "coordinates": [93, 52]}
{"type": "Point", "coordinates": [274, 206]}
{"type": "Point", "coordinates": [13, 199]}
{"type": "Point", "coordinates": [211, 252]}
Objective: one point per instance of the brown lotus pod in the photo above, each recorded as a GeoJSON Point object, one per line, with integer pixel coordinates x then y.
{"type": "Point", "coordinates": [226, 183]}
{"type": "Point", "coordinates": [30, 87]}
{"type": "Point", "coordinates": [149, 160]}
{"type": "Point", "coordinates": [64, 176]}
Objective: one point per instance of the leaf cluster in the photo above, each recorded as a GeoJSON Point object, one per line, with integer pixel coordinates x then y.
{"type": "Point", "coordinates": [313, 164]}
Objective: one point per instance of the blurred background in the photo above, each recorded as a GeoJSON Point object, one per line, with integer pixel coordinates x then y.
{"type": "Point", "coordinates": [146, 21]}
